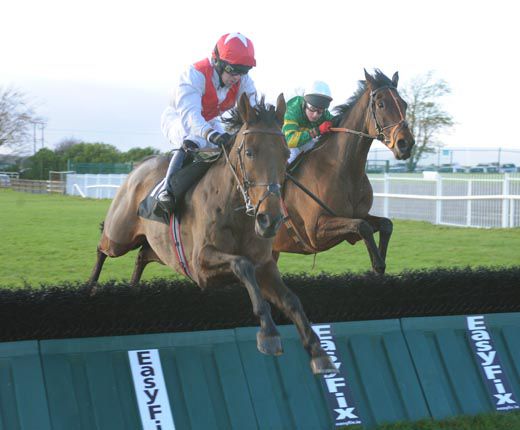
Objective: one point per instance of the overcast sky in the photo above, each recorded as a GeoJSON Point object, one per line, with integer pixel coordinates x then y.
{"type": "Point", "coordinates": [102, 70]}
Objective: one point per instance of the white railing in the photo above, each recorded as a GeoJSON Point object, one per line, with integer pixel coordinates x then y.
{"type": "Point", "coordinates": [94, 186]}
{"type": "Point", "coordinates": [457, 200]}
{"type": "Point", "coordinates": [460, 200]}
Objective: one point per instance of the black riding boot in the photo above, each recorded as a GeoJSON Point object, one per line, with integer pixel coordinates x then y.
{"type": "Point", "coordinates": [166, 198]}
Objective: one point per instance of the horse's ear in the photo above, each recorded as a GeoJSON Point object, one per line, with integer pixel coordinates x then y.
{"type": "Point", "coordinates": [245, 110]}
{"type": "Point", "coordinates": [395, 79]}
{"type": "Point", "coordinates": [369, 79]}
{"type": "Point", "coordinates": [280, 108]}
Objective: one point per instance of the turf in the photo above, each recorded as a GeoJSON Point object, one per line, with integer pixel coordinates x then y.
{"type": "Point", "coordinates": [52, 239]}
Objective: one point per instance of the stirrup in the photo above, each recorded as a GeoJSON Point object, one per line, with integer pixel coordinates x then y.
{"type": "Point", "coordinates": [164, 203]}
{"type": "Point", "coordinates": [165, 196]}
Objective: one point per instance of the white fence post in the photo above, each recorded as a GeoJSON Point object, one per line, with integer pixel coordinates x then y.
{"type": "Point", "coordinates": [438, 202]}
{"type": "Point", "coordinates": [468, 203]}
{"type": "Point", "coordinates": [505, 201]}
{"type": "Point", "coordinates": [386, 190]}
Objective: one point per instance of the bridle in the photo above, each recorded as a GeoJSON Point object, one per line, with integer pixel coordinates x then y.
{"type": "Point", "coordinates": [396, 126]}
{"type": "Point", "coordinates": [246, 184]}
{"type": "Point", "coordinates": [380, 128]}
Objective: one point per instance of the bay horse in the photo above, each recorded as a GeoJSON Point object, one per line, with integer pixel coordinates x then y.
{"type": "Point", "coordinates": [334, 171]}
{"type": "Point", "coordinates": [221, 241]}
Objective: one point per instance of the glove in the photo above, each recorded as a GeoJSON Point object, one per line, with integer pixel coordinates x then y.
{"type": "Point", "coordinates": [325, 127]}
{"type": "Point", "coordinates": [188, 145]}
{"type": "Point", "coordinates": [219, 139]}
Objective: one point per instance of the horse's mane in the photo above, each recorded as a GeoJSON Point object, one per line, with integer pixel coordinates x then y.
{"type": "Point", "coordinates": [265, 113]}
{"type": "Point", "coordinates": [381, 80]}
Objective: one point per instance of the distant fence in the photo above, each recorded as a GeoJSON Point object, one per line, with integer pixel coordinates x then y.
{"type": "Point", "coordinates": [100, 168]}
{"type": "Point", "coordinates": [456, 199]}
{"type": "Point", "coordinates": [38, 187]}
{"type": "Point", "coordinates": [94, 186]}
{"type": "Point", "coordinates": [464, 200]}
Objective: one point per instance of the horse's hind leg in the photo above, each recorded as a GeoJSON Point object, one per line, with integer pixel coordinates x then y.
{"type": "Point", "coordinates": [385, 228]}
{"type": "Point", "coordinates": [146, 255]}
{"type": "Point", "coordinates": [276, 292]}
{"type": "Point", "coordinates": [268, 338]}
{"type": "Point", "coordinates": [330, 229]}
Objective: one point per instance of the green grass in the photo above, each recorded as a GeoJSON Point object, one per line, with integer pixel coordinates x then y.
{"type": "Point", "coordinates": [52, 239]}
{"type": "Point", "coordinates": [493, 421]}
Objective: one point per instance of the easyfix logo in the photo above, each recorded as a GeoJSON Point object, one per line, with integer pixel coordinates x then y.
{"type": "Point", "coordinates": [150, 390]}
{"type": "Point", "coordinates": [489, 362]}
{"type": "Point", "coordinates": [339, 398]}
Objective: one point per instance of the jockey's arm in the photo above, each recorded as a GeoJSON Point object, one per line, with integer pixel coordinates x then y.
{"type": "Point", "coordinates": [296, 135]}
{"type": "Point", "coordinates": [187, 103]}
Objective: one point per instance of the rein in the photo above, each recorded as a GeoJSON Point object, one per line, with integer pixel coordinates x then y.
{"type": "Point", "coordinates": [246, 184]}
{"type": "Point", "coordinates": [381, 136]}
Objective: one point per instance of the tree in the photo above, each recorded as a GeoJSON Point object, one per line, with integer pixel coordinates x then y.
{"type": "Point", "coordinates": [137, 154]}
{"type": "Point", "coordinates": [40, 164]}
{"type": "Point", "coordinates": [17, 120]}
{"type": "Point", "coordinates": [425, 116]}
{"type": "Point", "coordinates": [89, 152]}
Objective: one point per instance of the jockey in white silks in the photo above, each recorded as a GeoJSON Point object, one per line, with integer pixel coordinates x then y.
{"type": "Point", "coordinates": [205, 91]}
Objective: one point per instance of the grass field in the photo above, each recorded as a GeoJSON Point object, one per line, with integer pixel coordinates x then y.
{"type": "Point", "coordinates": [52, 238]}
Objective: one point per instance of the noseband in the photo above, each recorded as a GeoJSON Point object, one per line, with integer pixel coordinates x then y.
{"type": "Point", "coordinates": [381, 135]}
{"type": "Point", "coordinates": [246, 184]}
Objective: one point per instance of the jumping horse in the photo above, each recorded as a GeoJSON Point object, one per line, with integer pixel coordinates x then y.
{"type": "Point", "coordinates": [228, 223]}
{"type": "Point", "coordinates": [334, 174]}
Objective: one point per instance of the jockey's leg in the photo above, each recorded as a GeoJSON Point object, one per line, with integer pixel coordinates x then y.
{"type": "Point", "coordinates": [165, 197]}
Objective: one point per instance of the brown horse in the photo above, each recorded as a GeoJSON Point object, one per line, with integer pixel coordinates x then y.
{"type": "Point", "coordinates": [222, 241]}
{"type": "Point", "coordinates": [334, 171]}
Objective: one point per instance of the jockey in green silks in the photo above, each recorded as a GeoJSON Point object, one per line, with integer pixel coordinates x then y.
{"type": "Point", "coordinates": [307, 118]}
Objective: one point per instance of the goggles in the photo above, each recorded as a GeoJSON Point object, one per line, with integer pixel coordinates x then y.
{"type": "Point", "coordinates": [314, 109]}
{"type": "Point", "coordinates": [236, 69]}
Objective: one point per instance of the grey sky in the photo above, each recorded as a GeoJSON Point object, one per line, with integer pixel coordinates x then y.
{"type": "Point", "coordinates": [102, 70]}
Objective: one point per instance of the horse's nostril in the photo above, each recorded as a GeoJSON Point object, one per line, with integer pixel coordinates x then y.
{"type": "Point", "coordinates": [263, 220]}
{"type": "Point", "coordinates": [402, 145]}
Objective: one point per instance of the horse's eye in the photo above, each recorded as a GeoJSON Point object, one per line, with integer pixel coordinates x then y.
{"type": "Point", "coordinates": [380, 105]}
{"type": "Point", "coordinates": [249, 153]}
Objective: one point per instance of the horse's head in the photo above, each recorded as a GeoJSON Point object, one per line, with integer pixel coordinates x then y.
{"type": "Point", "coordinates": [260, 155]}
{"type": "Point", "coordinates": [387, 118]}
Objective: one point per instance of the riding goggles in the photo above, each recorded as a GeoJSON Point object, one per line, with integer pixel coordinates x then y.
{"type": "Point", "coordinates": [236, 69]}
{"type": "Point", "coordinates": [314, 109]}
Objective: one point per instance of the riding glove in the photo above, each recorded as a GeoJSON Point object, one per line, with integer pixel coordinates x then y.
{"type": "Point", "coordinates": [325, 127]}
{"type": "Point", "coordinates": [219, 139]}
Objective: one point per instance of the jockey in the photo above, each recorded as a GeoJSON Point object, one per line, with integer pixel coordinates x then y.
{"type": "Point", "coordinates": [307, 118]}
{"type": "Point", "coordinates": [205, 90]}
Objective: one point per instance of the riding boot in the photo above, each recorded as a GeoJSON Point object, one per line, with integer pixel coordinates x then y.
{"type": "Point", "coordinates": [166, 197]}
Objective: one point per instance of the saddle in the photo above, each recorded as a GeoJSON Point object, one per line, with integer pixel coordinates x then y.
{"type": "Point", "coordinates": [194, 167]}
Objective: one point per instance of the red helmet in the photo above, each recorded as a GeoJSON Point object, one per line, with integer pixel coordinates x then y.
{"type": "Point", "coordinates": [235, 49]}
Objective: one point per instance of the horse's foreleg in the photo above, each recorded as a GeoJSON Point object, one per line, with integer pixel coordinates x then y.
{"type": "Point", "coordinates": [94, 276]}
{"type": "Point", "coordinates": [146, 255]}
{"type": "Point", "coordinates": [276, 292]}
{"type": "Point", "coordinates": [385, 228]}
{"type": "Point", "coordinates": [268, 338]}
{"type": "Point", "coordinates": [331, 230]}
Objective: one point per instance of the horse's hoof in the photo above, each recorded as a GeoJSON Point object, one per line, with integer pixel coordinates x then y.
{"type": "Point", "coordinates": [323, 364]}
{"type": "Point", "coordinates": [270, 345]}
{"type": "Point", "coordinates": [380, 270]}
